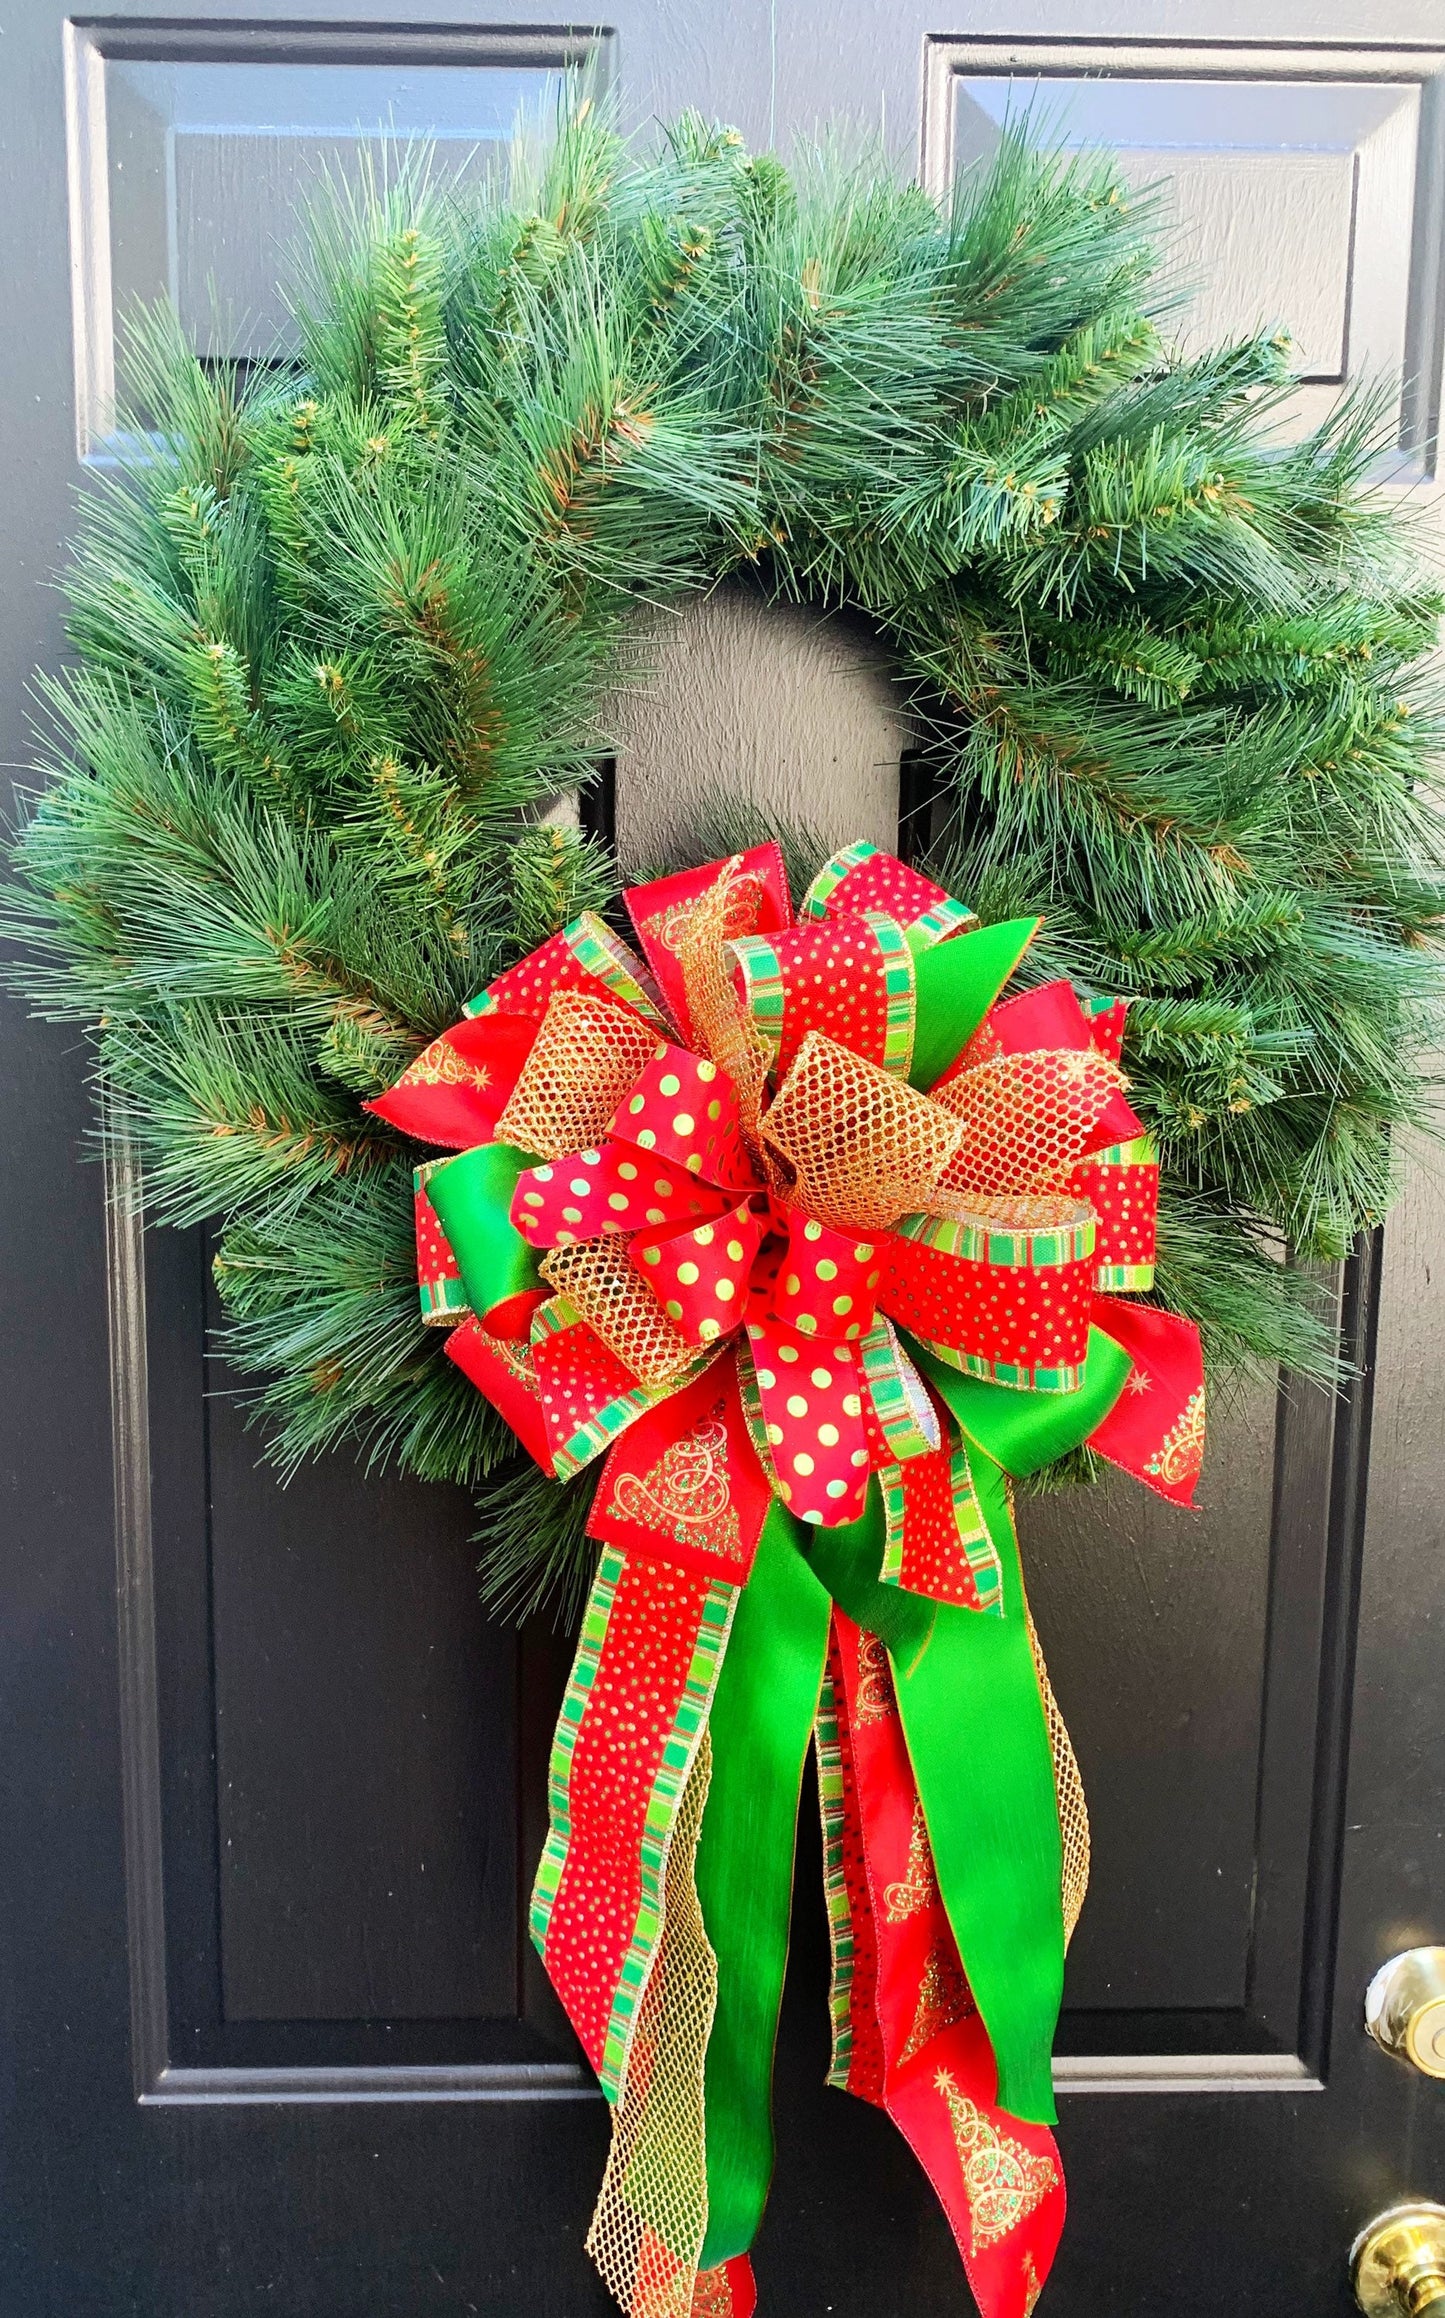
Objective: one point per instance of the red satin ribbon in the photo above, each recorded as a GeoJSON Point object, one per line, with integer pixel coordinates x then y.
{"type": "Point", "coordinates": [792, 1379]}
{"type": "Point", "coordinates": [907, 2036]}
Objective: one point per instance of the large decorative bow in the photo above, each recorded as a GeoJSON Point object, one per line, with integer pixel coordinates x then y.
{"type": "Point", "coordinates": [813, 1240]}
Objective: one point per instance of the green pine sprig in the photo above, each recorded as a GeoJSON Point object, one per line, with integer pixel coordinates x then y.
{"type": "Point", "coordinates": [343, 629]}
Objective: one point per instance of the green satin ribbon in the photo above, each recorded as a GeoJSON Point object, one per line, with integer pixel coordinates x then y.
{"type": "Point", "coordinates": [762, 1725]}
{"type": "Point", "coordinates": [847, 1560]}
{"type": "Point", "coordinates": [973, 1717]}
{"type": "Point", "coordinates": [955, 984]}
{"type": "Point", "coordinates": [472, 1195]}
{"type": "Point", "coordinates": [1023, 1431]}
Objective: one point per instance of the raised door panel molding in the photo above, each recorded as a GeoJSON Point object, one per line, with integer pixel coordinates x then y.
{"type": "Point", "coordinates": [1297, 186]}
{"type": "Point", "coordinates": [194, 150]}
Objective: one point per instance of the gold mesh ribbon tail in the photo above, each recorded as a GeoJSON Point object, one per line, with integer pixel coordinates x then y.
{"type": "Point", "coordinates": [1069, 1787]}
{"type": "Point", "coordinates": [651, 2218]}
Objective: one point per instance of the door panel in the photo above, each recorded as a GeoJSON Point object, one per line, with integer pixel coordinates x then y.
{"type": "Point", "coordinates": [274, 1785]}
{"type": "Point", "coordinates": [338, 1773]}
{"type": "Point", "coordinates": [1156, 1633]}
{"type": "Point", "coordinates": [1288, 181]}
{"type": "Point", "coordinates": [365, 1759]}
{"type": "Point", "coordinates": [194, 148]}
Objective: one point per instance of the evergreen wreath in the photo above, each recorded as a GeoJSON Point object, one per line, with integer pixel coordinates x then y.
{"type": "Point", "coordinates": [343, 627]}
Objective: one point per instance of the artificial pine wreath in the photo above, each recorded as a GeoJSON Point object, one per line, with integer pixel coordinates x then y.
{"type": "Point", "coordinates": [343, 627]}
{"type": "Point", "coordinates": [796, 1228]}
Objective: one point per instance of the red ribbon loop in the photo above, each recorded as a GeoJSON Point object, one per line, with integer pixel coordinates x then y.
{"type": "Point", "coordinates": [827, 1283]}
{"type": "Point", "coordinates": [700, 1277]}
{"type": "Point", "coordinates": [683, 1108]}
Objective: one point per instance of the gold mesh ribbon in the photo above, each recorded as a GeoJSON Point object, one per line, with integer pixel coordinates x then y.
{"type": "Point", "coordinates": [597, 1279]}
{"type": "Point", "coordinates": [651, 2216]}
{"type": "Point", "coordinates": [1026, 1118]}
{"type": "Point", "coordinates": [722, 1028]}
{"type": "Point", "coordinates": [587, 1054]}
{"type": "Point", "coordinates": [1069, 1787]}
{"type": "Point", "coordinates": [852, 1144]}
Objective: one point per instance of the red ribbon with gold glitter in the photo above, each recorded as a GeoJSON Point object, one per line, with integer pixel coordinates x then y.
{"type": "Point", "coordinates": [799, 1226]}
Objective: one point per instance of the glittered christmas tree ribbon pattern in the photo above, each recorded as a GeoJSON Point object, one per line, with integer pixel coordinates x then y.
{"type": "Point", "coordinates": [811, 1234]}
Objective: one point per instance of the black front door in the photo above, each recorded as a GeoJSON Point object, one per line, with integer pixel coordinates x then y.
{"type": "Point", "coordinates": [272, 1784]}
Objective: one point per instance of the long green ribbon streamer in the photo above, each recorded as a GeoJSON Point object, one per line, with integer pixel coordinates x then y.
{"type": "Point", "coordinates": [847, 1560]}
{"type": "Point", "coordinates": [761, 1724]}
{"type": "Point", "coordinates": [973, 1717]}
{"type": "Point", "coordinates": [472, 1196]}
{"type": "Point", "coordinates": [968, 1692]}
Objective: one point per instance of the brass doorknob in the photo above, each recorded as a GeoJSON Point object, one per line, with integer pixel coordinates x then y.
{"type": "Point", "coordinates": [1405, 2009]}
{"type": "Point", "coordinates": [1397, 2265]}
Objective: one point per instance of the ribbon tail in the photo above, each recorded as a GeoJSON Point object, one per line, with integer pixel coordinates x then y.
{"type": "Point", "coordinates": [968, 1690]}
{"type": "Point", "coordinates": [907, 2033]}
{"type": "Point", "coordinates": [729, 2290]}
{"type": "Point", "coordinates": [647, 1663]}
{"type": "Point", "coordinates": [973, 1699]}
{"type": "Point", "coordinates": [651, 2214]}
{"type": "Point", "coordinates": [1155, 1430]}
{"type": "Point", "coordinates": [848, 1560]}
{"type": "Point", "coordinates": [762, 1723]}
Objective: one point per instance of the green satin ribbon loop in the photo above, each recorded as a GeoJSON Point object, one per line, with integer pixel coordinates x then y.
{"type": "Point", "coordinates": [762, 1725]}
{"type": "Point", "coordinates": [956, 983]}
{"type": "Point", "coordinates": [472, 1195]}
{"type": "Point", "coordinates": [1023, 1430]}
{"type": "Point", "coordinates": [973, 1717]}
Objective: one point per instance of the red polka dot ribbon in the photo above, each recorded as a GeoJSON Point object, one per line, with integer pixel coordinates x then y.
{"type": "Point", "coordinates": [1042, 1213]}
{"type": "Point", "coordinates": [849, 1304]}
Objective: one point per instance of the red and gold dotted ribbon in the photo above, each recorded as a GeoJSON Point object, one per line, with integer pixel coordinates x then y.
{"type": "Point", "coordinates": [797, 1220]}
